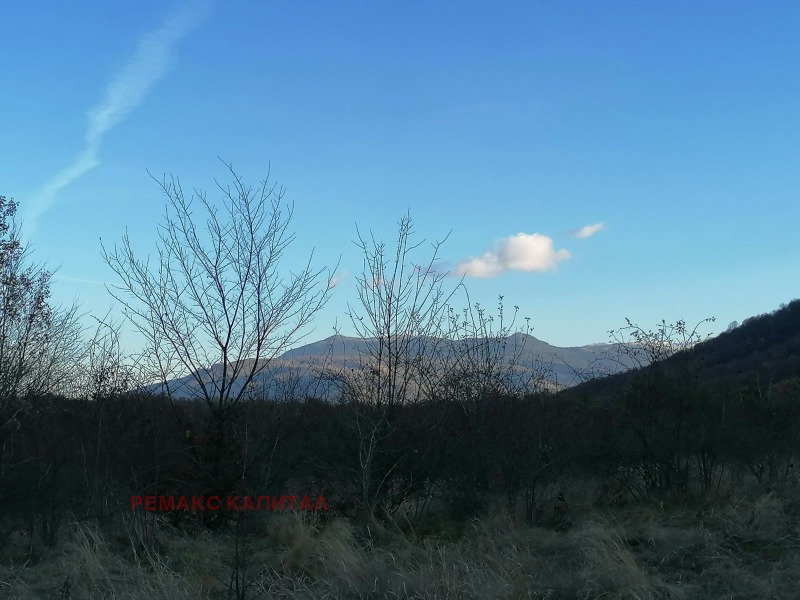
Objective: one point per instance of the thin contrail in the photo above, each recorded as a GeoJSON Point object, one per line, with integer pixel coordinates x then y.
{"type": "Point", "coordinates": [80, 280]}
{"type": "Point", "coordinates": [150, 62]}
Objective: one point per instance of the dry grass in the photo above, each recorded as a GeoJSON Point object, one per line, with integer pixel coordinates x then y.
{"type": "Point", "coordinates": [85, 566]}
{"type": "Point", "coordinates": [746, 548]}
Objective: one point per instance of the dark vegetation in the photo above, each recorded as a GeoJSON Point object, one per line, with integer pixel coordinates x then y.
{"type": "Point", "coordinates": [412, 447]}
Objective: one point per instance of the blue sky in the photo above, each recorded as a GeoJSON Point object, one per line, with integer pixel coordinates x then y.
{"type": "Point", "coordinates": [675, 125]}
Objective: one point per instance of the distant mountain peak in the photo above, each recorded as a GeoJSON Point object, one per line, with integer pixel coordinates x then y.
{"type": "Point", "coordinates": [348, 352]}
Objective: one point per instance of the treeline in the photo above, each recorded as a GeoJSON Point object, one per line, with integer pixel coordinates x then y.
{"type": "Point", "coordinates": [661, 439]}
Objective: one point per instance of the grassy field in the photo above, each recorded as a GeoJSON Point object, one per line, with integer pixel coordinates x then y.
{"type": "Point", "coordinates": [745, 545]}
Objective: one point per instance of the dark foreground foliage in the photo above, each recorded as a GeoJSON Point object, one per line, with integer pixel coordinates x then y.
{"type": "Point", "coordinates": [665, 479]}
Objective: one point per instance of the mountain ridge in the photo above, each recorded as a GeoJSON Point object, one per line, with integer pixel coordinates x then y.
{"type": "Point", "coordinates": [307, 363]}
{"type": "Point", "coordinates": [766, 346]}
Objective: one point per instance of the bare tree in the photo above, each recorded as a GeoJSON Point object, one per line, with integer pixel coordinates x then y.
{"type": "Point", "coordinates": [486, 356]}
{"type": "Point", "coordinates": [400, 316]}
{"type": "Point", "coordinates": [650, 347]}
{"type": "Point", "coordinates": [39, 342]}
{"type": "Point", "coordinates": [106, 369]}
{"type": "Point", "coordinates": [491, 396]}
{"type": "Point", "coordinates": [659, 407]}
{"type": "Point", "coordinates": [399, 319]}
{"type": "Point", "coordinates": [215, 305]}
{"type": "Point", "coordinates": [53, 364]}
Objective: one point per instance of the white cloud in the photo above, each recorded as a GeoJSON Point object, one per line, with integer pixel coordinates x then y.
{"type": "Point", "coordinates": [127, 89]}
{"type": "Point", "coordinates": [529, 252]}
{"type": "Point", "coordinates": [588, 231]}
{"type": "Point", "coordinates": [337, 279]}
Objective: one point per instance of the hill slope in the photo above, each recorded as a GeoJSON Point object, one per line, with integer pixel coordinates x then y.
{"type": "Point", "coordinates": [764, 349]}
